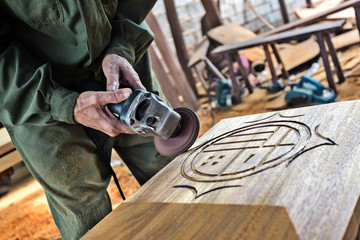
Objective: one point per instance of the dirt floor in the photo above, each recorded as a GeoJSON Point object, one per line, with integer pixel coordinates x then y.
{"type": "Point", "coordinates": [24, 213]}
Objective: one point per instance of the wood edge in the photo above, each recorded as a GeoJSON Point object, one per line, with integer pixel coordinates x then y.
{"type": "Point", "coordinates": [354, 223]}
{"type": "Point", "coordinates": [9, 160]}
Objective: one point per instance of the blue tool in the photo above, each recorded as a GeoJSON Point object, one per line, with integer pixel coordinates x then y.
{"type": "Point", "coordinates": [308, 90]}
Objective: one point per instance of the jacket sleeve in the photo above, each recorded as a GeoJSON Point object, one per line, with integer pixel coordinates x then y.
{"type": "Point", "coordinates": [130, 35]}
{"type": "Point", "coordinates": [27, 92]}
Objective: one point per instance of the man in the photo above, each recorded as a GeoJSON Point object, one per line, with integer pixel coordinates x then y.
{"type": "Point", "coordinates": [48, 50]}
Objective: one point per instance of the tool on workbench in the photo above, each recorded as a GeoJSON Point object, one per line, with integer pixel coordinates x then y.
{"type": "Point", "coordinates": [174, 130]}
{"type": "Point", "coordinates": [308, 90]}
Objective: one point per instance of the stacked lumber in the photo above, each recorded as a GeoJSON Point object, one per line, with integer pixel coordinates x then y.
{"type": "Point", "coordinates": [349, 61]}
{"type": "Point", "coordinates": [302, 13]}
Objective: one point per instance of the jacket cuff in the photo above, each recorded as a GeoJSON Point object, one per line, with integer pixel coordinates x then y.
{"type": "Point", "coordinates": [62, 105]}
{"type": "Point", "coordinates": [123, 49]}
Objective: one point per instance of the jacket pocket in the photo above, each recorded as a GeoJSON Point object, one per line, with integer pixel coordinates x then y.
{"type": "Point", "coordinates": [36, 12]}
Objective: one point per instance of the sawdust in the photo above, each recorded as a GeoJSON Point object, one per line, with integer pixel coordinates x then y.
{"type": "Point", "coordinates": [24, 213]}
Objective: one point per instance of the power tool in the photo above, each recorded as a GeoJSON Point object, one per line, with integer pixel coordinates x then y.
{"type": "Point", "coordinates": [308, 90]}
{"type": "Point", "coordinates": [174, 130]}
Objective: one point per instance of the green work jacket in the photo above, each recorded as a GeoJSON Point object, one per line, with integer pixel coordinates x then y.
{"type": "Point", "coordinates": [48, 47]}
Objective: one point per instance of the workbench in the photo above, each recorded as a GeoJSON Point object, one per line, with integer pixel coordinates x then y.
{"type": "Point", "coordinates": [322, 33]}
{"type": "Point", "coordinates": [292, 174]}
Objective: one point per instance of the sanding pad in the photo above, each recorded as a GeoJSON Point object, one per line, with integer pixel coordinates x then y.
{"type": "Point", "coordinates": [189, 131]}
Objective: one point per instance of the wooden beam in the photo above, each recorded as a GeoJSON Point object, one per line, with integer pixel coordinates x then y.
{"type": "Point", "coordinates": [284, 12]}
{"type": "Point", "coordinates": [164, 81]}
{"type": "Point", "coordinates": [334, 58]}
{"type": "Point", "coordinates": [325, 59]}
{"type": "Point", "coordinates": [181, 50]}
{"type": "Point", "coordinates": [172, 63]}
{"type": "Point", "coordinates": [212, 13]}
{"type": "Point", "coordinates": [357, 16]}
{"type": "Point", "coordinates": [9, 160]}
{"type": "Point", "coordinates": [309, 4]}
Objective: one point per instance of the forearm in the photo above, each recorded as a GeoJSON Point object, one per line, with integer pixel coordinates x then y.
{"type": "Point", "coordinates": [27, 92]}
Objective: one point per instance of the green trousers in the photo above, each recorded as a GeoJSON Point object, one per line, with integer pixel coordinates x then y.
{"type": "Point", "coordinates": [67, 163]}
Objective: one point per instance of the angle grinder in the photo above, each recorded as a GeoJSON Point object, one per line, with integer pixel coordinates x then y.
{"type": "Point", "coordinates": [174, 130]}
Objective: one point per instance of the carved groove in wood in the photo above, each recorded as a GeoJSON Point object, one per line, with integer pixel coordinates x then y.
{"type": "Point", "coordinates": [256, 147]}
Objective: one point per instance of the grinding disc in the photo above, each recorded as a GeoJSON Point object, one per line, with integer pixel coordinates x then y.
{"type": "Point", "coordinates": [189, 131]}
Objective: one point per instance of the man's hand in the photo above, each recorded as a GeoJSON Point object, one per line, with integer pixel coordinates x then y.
{"type": "Point", "coordinates": [91, 110]}
{"type": "Point", "coordinates": [118, 71]}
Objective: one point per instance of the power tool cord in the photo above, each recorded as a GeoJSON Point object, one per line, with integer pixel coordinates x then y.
{"type": "Point", "coordinates": [105, 158]}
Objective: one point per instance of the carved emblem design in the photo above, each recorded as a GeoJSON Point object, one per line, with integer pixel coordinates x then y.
{"type": "Point", "coordinates": [250, 149]}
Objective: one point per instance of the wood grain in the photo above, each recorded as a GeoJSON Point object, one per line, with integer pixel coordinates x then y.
{"type": "Point", "coordinates": [5, 142]}
{"type": "Point", "coordinates": [233, 33]}
{"type": "Point", "coordinates": [306, 12]}
{"type": "Point", "coordinates": [9, 160]}
{"type": "Point", "coordinates": [167, 87]}
{"type": "Point", "coordinates": [194, 221]}
{"type": "Point", "coordinates": [172, 63]}
{"type": "Point", "coordinates": [304, 160]}
{"type": "Point", "coordinates": [313, 19]}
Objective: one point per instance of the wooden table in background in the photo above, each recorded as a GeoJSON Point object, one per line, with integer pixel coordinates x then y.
{"type": "Point", "coordinates": [292, 174]}
{"type": "Point", "coordinates": [321, 31]}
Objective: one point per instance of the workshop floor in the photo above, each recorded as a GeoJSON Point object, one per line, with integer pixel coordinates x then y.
{"type": "Point", "coordinates": [24, 213]}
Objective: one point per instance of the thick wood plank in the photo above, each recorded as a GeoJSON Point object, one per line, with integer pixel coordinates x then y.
{"type": "Point", "coordinates": [176, 32]}
{"type": "Point", "coordinates": [314, 18]}
{"type": "Point", "coordinates": [304, 160]}
{"type": "Point", "coordinates": [194, 221]}
{"type": "Point", "coordinates": [325, 5]}
{"type": "Point", "coordinates": [9, 160]}
{"type": "Point", "coordinates": [5, 142]}
{"type": "Point", "coordinates": [346, 39]}
{"type": "Point", "coordinates": [294, 55]}
{"type": "Point", "coordinates": [306, 12]}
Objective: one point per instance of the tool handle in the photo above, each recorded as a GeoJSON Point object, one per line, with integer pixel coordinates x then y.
{"type": "Point", "coordinates": [116, 108]}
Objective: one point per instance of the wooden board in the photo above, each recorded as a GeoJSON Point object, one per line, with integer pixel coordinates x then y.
{"type": "Point", "coordinates": [9, 160]}
{"type": "Point", "coordinates": [313, 19]}
{"type": "Point", "coordinates": [346, 39]}
{"type": "Point", "coordinates": [309, 12]}
{"type": "Point", "coordinates": [294, 55]}
{"type": "Point", "coordinates": [8, 154]}
{"type": "Point", "coordinates": [194, 221]}
{"type": "Point", "coordinates": [166, 84]}
{"type": "Point", "coordinates": [200, 52]}
{"type": "Point", "coordinates": [233, 33]}
{"type": "Point", "coordinates": [304, 161]}
{"type": "Point", "coordinates": [5, 142]}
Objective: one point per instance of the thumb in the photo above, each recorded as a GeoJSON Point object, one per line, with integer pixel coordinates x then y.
{"type": "Point", "coordinates": [114, 96]}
